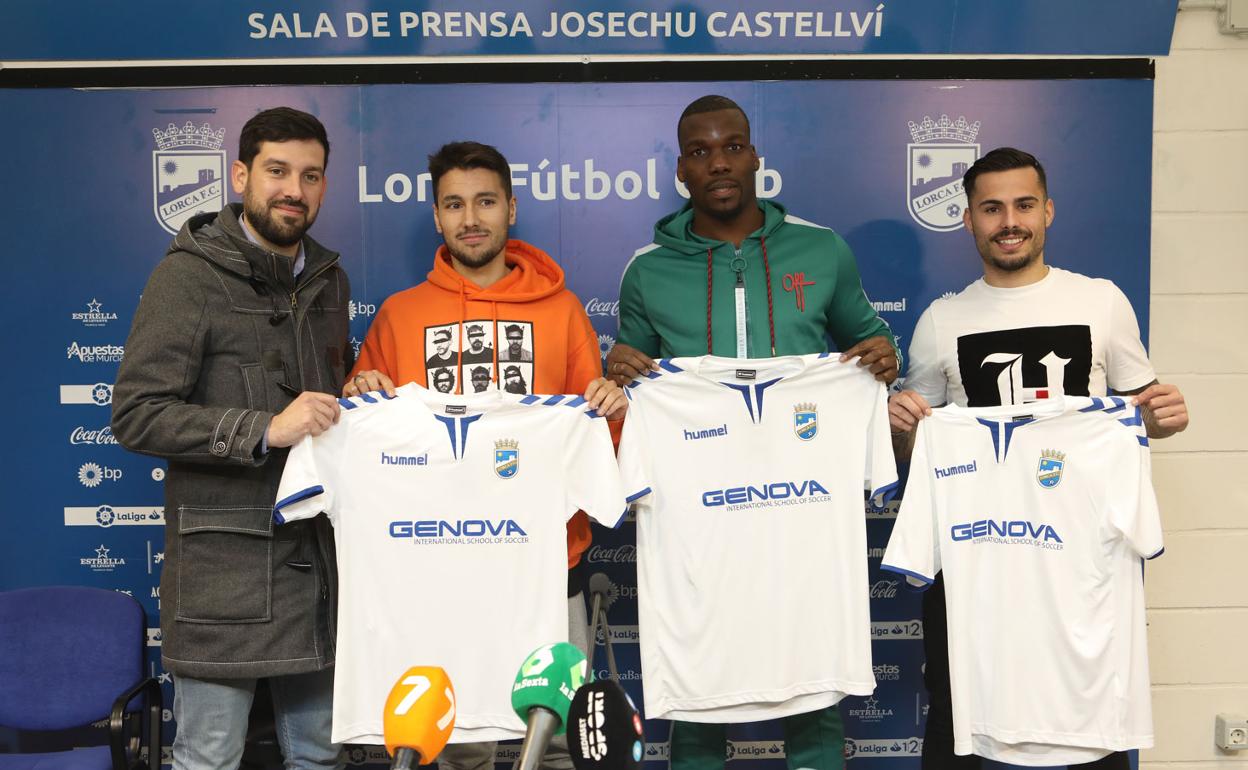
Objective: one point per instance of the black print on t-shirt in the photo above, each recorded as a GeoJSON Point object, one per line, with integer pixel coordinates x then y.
{"type": "Point", "coordinates": [1015, 366]}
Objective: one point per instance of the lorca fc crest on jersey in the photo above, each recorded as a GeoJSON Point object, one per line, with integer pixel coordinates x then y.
{"type": "Point", "coordinates": [506, 458]}
{"type": "Point", "coordinates": [805, 421]}
{"type": "Point", "coordinates": [1049, 473]}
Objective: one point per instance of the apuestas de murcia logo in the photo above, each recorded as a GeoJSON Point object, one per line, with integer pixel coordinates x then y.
{"type": "Point", "coordinates": [940, 154]}
{"type": "Point", "coordinates": [91, 475]}
{"type": "Point", "coordinates": [95, 354]}
{"type": "Point", "coordinates": [94, 315]}
{"type": "Point", "coordinates": [95, 437]}
{"type": "Point", "coordinates": [188, 173]}
{"type": "Point", "coordinates": [887, 672]}
{"type": "Point", "coordinates": [102, 562]}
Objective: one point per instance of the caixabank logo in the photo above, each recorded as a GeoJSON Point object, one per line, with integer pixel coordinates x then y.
{"type": "Point", "coordinates": [940, 154]}
{"type": "Point", "coordinates": [188, 173]}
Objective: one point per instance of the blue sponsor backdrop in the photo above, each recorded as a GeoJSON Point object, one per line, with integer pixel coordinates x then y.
{"type": "Point", "coordinates": [97, 177]}
{"type": "Point", "coordinates": [154, 29]}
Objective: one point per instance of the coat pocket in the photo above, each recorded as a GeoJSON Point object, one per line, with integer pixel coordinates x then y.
{"type": "Point", "coordinates": [225, 564]}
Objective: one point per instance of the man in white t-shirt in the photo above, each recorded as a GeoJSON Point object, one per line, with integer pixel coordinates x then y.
{"type": "Point", "coordinates": [1024, 332]}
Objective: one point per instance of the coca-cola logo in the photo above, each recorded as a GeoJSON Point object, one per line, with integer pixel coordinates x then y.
{"type": "Point", "coordinates": [596, 306]}
{"type": "Point", "coordinates": [884, 589]}
{"type": "Point", "coordinates": [623, 554]}
{"type": "Point", "coordinates": [100, 437]}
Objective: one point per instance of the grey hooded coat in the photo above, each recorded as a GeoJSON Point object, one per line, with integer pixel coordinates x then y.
{"type": "Point", "coordinates": [225, 337]}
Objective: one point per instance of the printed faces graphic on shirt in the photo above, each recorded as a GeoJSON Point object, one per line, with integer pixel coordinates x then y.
{"type": "Point", "coordinates": [1017, 366]}
{"type": "Point", "coordinates": [444, 355]}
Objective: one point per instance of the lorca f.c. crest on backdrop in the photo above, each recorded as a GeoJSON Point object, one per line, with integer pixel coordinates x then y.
{"type": "Point", "coordinates": [941, 153]}
{"type": "Point", "coordinates": [188, 173]}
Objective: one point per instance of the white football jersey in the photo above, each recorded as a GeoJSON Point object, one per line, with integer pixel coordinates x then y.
{"type": "Point", "coordinates": [1038, 516]}
{"type": "Point", "coordinates": [449, 515]}
{"type": "Point", "coordinates": [751, 534]}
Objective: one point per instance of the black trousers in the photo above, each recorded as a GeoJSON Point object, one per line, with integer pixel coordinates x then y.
{"type": "Point", "coordinates": [938, 735]}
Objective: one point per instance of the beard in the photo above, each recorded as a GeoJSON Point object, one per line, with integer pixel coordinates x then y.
{"type": "Point", "coordinates": [278, 229]}
{"type": "Point", "coordinates": [514, 386]}
{"type": "Point", "coordinates": [1012, 263]}
{"type": "Point", "coordinates": [486, 253]}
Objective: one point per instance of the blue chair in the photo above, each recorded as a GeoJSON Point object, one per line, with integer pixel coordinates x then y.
{"type": "Point", "coordinates": [71, 656]}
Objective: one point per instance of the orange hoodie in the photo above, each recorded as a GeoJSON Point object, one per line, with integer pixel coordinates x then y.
{"type": "Point", "coordinates": [445, 334]}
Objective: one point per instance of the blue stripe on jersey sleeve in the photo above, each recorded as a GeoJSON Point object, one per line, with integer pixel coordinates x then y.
{"type": "Point", "coordinates": [384, 395]}
{"type": "Point", "coordinates": [530, 399]}
{"type": "Point", "coordinates": [886, 492]}
{"type": "Point", "coordinates": [552, 400]}
{"type": "Point", "coordinates": [1096, 406]}
{"type": "Point", "coordinates": [575, 402]}
{"type": "Point", "coordinates": [347, 403]}
{"type": "Point", "coordinates": [1142, 439]}
{"type": "Point", "coordinates": [637, 495]}
{"type": "Point", "coordinates": [367, 398]}
{"type": "Point", "coordinates": [925, 580]}
{"type": "Point", "coordinates": [302, 494]}
{"type": "Point", "coordinates": [667, 364]}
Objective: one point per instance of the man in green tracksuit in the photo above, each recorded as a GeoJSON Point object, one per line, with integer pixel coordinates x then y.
{"type": "Point", "coordinates": [733, 276]}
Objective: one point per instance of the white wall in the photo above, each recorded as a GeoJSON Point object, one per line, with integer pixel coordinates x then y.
{"type": "Point", "coordinates": [1198, 591]}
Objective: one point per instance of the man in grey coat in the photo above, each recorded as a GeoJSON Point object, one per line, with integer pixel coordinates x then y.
{"type": "Point", "coordinates": [236, 352]}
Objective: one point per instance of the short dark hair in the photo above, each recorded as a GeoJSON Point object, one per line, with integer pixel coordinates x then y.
{"type": "Point", "coordinates": [1002, 159]}
{"type": "Point", "coordinates": [466, 156]}
{"type": "Point", "coordinates": [711, 103]}
{"type": "Point", "coordinates": [279, 124]}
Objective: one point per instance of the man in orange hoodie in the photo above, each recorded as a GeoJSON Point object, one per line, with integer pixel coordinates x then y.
{"type": "Point", "coordinates": [512, 325]}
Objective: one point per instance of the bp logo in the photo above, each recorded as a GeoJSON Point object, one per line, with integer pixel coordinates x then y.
{"type": "Point", "coordinates": [506, 458]}
{"type": "Point", "coordinates": [188, 173]}
{"type": "Point", "coordinates": [805, 421]}
{"type": "Point", "coordinates": [940, 154]}
{"type": "Point", "coordinates": [1049, 472]}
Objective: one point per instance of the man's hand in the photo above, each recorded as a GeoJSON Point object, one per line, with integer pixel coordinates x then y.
{"type": "Point", "coordinates": [1165, 411]}
{"type": "Point", "coordinates": [363, 382]}
{"type": "Point", "coordinates": [905, 409]}
{"type": "Point", "coordinates": [309, 414]}
{"type": "Point", "coordinates": [607, 398]}
{"type": "Point", "coordinates": [625, 363]}
{"type": "Point", "coordinates": [878, 355]}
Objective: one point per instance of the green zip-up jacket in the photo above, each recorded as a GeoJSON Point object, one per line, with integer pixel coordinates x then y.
{"type": "Point", "coordinates": [816, 291]}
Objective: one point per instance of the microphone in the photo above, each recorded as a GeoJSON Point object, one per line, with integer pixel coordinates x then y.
{"type": "Point", "coordinates": [600, 589]}
{"type": "Point", "coordinates": [542, 694]}
{"type": "Point", "coordinates": [604, 728]}
{"type": "Point", "coordinates": [419, 716]}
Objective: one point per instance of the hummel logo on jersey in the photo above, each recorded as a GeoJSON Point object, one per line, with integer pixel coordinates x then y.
{"type": "Point", "coordinates": [956, 470]}
{"type": "Point", "coordinates": [708, 433]}
{"type": "Point", "coordinates": [764, 494]}
{"type": "Point", "coordinates": [1008, 533]}
{"type": "Point", "coordinates": [1049, 472]}
{"type": "Point", "coordinates": [746, 374]}
{"type": "Point", "coordinates": [389, 459]}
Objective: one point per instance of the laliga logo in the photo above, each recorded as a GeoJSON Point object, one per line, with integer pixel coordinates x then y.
{"type": "Point", "coordinates": [188, 173]}
{"type": "Point", "coordinates": [941, 153]}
